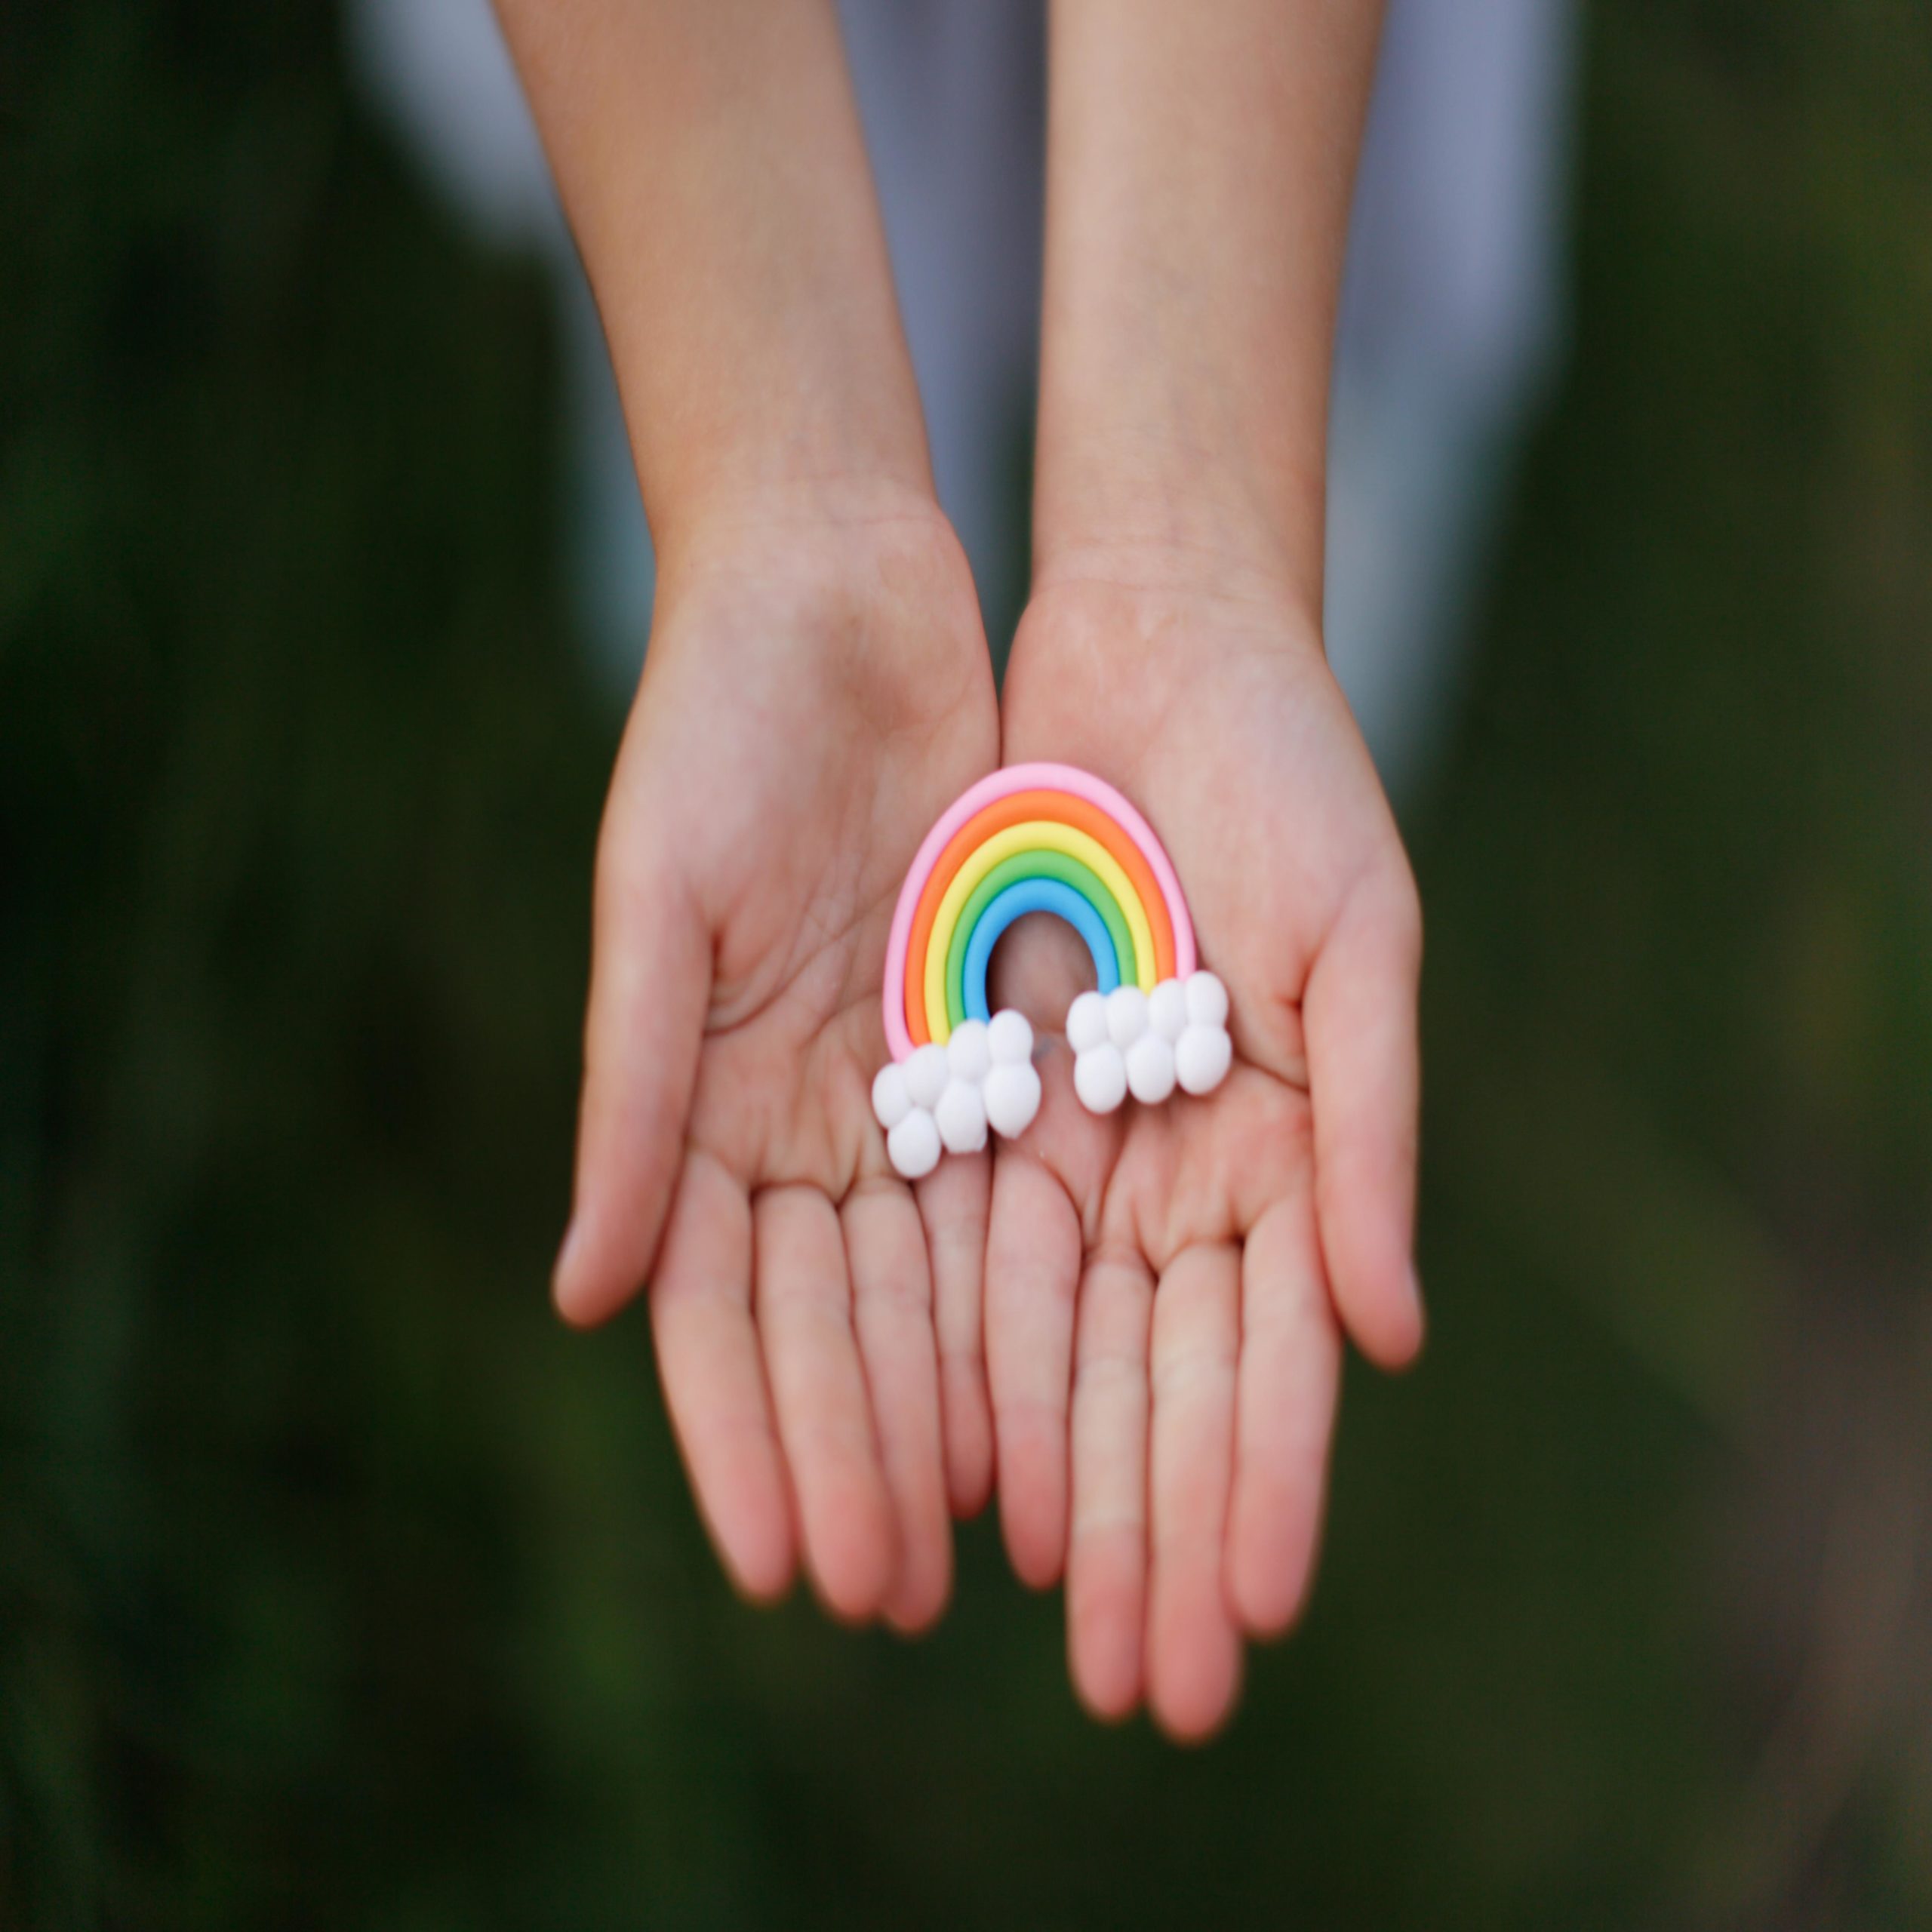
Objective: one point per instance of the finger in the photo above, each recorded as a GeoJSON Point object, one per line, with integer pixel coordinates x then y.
{"type": "Point", "coordinates": [1364, 1077]}
{"type": "Point", "coordinates": [1106, 1559]}
{"type": "Point", "coordinates": [885, 1250]}
{"type": "Point", "coordinates": [1033, 1246]}
{"type": "Point", "coordinates": [713, 1380]}
{"type": "Point", "coordinates": [953, 1201]}
{"type": "Point", "coordinates": [803, 1305]}
{"type": "Point", "coordinates": [1289, 1378]}
{"type": "Point", "coordinates": [1193, 1648]}
{"type": "Point", "coordinates": [650, 985]}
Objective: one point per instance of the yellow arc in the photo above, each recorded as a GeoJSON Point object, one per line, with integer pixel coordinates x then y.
{"type": "Point", "coordinates": [1036, 836]}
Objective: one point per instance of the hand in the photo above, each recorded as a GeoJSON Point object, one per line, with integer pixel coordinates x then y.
{"type": "Point", "coordinates": [1165, 1288]}
{"type": "Point", "coordinates": [817, 690]}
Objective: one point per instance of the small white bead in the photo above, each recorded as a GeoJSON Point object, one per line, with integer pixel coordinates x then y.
{"type": "Point", "coordinates": [1202, 1057]}
{"type": "Point", "coordinates": [969, 1053]}
{"type": "Point", "coordinates": [1126, 1015]}
{"type": "Point", "coordinates": [1206, 1000]}
{"type": "Point", "coordinates": [1100, 1077]}
{"type": "Point", "coordinates": [890, 1102]}
{"type": "Point", "coordinates": [1150, 1069]}
{"type": "Point", "coordinates": [961, 1117]}
{"type": "Point", "coordinates": [914, 1145]}
{"type": "Point", "coordinates": [1087, 1021]}
{"type": "Point", "coordinates": [925, 1076]}
{"type": "Point", "coordinates": [1012, 1096]}
{"type": "Point", "coordinates": [1167, 1010]}
{"type": "Point", "coordinates": [1010, 1038]}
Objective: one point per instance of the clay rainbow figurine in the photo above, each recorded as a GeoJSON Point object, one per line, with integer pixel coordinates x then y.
{"type": "Point", "coordinates": [1039, 839]}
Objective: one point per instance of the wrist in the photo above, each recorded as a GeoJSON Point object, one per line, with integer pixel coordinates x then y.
{"type": "Point", "coordinates": [827, 455]}
{"type": "Point", "coordinates": [828, 520]}
{"type": "Point", "coordinates": [1176, 492]}
{"type": "Point", "coordinates": [1159, 624]}
{"type": "Point", "coordinates": [864, 574]}
{"type": "Point", "coordinates": [1178, 547]}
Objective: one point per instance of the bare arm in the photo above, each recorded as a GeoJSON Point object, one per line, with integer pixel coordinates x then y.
{"type": "Point", "coordinates": [817, 689]}
{"type": "Point", "coordinates": [1200, 161]}
{"type": "Point", "coordinates": [711, 161]}
{"type": "Point", "coordinates": [1166, 1297]}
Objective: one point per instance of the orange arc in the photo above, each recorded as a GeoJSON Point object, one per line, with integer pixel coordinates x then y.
{"type": "Point", "coordinates": [1064, 808]}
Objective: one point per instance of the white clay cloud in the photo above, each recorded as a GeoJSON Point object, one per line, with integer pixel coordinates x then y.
{"type": "Point", "coordinates": [1146, 1044]}
{"type": "Point", "coordinates": [943, 1100]}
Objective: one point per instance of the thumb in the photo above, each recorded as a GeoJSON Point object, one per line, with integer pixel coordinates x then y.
{"type": "Point", "coordinates": [649, 986]}
{"type": "Point", "coordinates": [1360, 1011]}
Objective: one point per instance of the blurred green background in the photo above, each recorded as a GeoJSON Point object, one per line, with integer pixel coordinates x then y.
{"type": "Point", "coordinates": [340, 1587]}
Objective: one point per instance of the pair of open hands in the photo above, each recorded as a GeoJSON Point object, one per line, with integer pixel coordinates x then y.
{"type": "Point", "coordinates": [1133, 1324]}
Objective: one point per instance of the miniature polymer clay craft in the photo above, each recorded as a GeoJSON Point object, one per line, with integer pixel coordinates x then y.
{"type": "Point", "coordinates": [1039, 839]}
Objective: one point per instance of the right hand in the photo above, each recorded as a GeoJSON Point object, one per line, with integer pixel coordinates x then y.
{"type": "Point", "coordinates": [817, 690]}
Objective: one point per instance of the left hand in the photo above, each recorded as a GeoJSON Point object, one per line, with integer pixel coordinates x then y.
{"type": "Point", "coordinates": [1166, 1290]}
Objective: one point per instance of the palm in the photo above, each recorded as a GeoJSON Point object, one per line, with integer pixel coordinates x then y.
{"type": "Point", "coordinates": [1162, 1285]}
{"type": "Point", "coordinates": [809, 707]}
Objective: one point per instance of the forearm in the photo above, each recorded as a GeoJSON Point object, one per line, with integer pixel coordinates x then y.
{"type": "Point", "coordinates": [711, 162]}
{"type": "Point", "coordinates": [1200, 160]}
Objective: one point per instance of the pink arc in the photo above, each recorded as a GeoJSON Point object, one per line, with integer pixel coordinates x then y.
{"type": "Point", "coordinates": [998, 785]}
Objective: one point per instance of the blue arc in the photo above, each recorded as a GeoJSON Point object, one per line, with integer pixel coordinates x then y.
{"type": "Point", "coordinates": [1034, 895]}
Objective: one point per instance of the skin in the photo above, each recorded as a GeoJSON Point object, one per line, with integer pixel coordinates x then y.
{"type": "Point", "coordinates": [817, 690]}
{"type": "Point", "coordinates": [1165, 1293]}
{"type": "Point", "coordinates": [1165, 1286]}
{"type": "Point", "coordinates": [1167, 1289]}
{"type": "Point", "coordinates": [816, 693]}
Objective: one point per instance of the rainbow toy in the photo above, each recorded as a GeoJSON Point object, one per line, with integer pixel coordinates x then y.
{"type": "Point", "coordinates": [1039, 839]}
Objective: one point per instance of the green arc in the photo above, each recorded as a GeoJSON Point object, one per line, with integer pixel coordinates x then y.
{"type": "Point", "coordinates": [1069, 872]}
